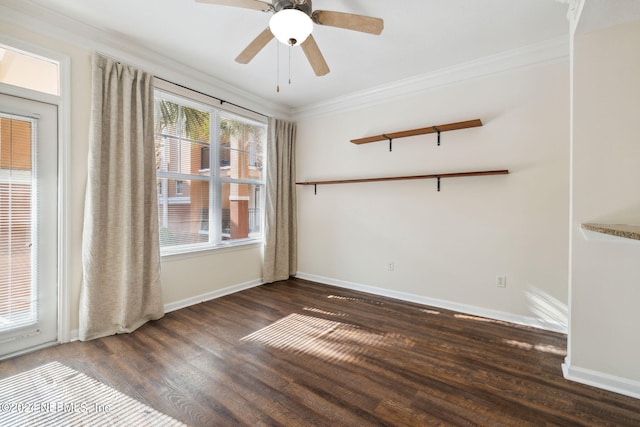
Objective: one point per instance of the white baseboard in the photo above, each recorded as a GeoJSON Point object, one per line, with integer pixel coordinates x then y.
{"type": "Point", "coordinates": [444, 304]}
{"type": "Point", "coordinates": [601, 380]}
{"type": "Point", "coordinates": [177, 305]}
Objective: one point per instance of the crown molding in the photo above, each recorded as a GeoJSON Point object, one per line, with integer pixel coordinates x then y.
{"type": "Point", "coordinates": [549, 51]}
{"type": "Point", "coordinates": [46, 22]}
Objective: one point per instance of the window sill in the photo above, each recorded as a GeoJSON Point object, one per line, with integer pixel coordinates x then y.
{"type": "Point", "coordinates": [221, 248]}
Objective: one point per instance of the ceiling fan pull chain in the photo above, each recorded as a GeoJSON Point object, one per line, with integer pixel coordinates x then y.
{"type": "Point", "coordinates": [289, 64]}
{"type": "Point", "coordinates": [277, 67]}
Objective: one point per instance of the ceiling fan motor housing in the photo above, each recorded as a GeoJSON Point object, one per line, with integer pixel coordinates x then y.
{"type": "Point", "coordinates": [301, 5]}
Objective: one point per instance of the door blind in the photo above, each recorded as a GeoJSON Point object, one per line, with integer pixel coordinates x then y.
{"type": "Point", "coordinates": [18, 296]}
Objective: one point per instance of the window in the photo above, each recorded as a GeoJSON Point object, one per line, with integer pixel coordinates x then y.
{"type": "Point", "coordinates": [210, 175]}
{"type": "Point", "coordinates": [29, 71]}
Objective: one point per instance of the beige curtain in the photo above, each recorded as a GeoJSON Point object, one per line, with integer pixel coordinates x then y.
{"type": "Point", "coordinates": [280, 253]}
{"type": "Point", "coordinates": [120, 249]}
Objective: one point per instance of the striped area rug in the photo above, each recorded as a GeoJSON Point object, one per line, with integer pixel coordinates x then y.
{"type": "Point", "coordinates": [56, 395]}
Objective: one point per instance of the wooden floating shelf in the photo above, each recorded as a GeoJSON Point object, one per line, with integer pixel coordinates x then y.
{"type": "Point", "coordinates": [422, 131]}
{"type": "Point", "coordinates": [400, 178]}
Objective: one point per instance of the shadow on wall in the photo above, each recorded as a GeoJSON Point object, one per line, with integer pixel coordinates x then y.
{"type": "Point", "coordinates": [630, 214]}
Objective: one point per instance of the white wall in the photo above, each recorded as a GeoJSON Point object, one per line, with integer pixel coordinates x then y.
{"type": "Point", "coordinates": [184, 279]}
{"type": "Point", "coordinates": [449, 245]}
{"type": "Point", "coordinates": [604, 341]}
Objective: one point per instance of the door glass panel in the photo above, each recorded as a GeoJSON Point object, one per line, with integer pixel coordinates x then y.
{"type": "Point", "coordinates": [18, 299]}
{"type": "Point", "coordinates": [28, 225]}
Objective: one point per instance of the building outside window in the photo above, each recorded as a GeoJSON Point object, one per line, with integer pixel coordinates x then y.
{"type": "Point", "coordinates": [210, 175]}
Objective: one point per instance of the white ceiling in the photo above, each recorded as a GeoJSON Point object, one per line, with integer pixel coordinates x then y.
{"type": "Point", "coordinates": [606, 13]}
{"type": "Point", "coordinates": [420, 37]}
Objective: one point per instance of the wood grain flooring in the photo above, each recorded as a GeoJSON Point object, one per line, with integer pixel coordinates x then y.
{"type": "Point", "coordinates": [298, 353]}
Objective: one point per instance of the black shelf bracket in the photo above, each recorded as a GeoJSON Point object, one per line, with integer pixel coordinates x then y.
{"type": "Point", "coordinates": [438, 178]}
{"type": "Point", "coordinates": [390, 142]}
{"type": "Point", "coordinates": [315, 189]}
{"type": "Point", "coordinates": [438, 132]}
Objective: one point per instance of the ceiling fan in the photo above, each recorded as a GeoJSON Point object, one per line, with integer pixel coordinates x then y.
{"type": "Point", "coordinates": [292, 24]}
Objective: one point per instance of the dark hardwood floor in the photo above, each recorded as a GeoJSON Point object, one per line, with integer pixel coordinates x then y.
{"type": "Point", "coordinates": [297, 353]}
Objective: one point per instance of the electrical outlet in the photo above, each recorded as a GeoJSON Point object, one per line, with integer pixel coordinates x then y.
{"type": "Point", "coordinates": [391, 266]}
{"type": "Point", "coordinates": [501, 281]}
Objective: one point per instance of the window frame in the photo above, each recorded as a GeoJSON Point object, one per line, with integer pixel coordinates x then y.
{"type": "Point", "coordinates": [185, 97]}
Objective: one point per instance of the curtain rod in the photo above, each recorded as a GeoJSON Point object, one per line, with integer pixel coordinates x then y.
{"type": "Point", "coordinates": [222, 101]}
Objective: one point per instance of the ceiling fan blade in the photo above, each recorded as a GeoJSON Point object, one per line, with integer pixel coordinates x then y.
{"type": "Point", "coordinates": [247, 4]}
{"type": "Point", "coordinates": [348, 21]}
{"type": "Point", "coordinates": [255, 46]}
{"type": "Point", "coordinates": [312, 51]}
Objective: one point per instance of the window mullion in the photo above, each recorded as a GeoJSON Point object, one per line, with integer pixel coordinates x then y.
{"type": "Point", "coordinates": [243, 181]}
{"type": "Point", "coordinates": [180, 136]}
{"type": "Point", "coordinates": [215, 186]}
{"type": "Point", "coordinates": [182, 176]}
{"type": "Point", "coordinates": [164, 188]}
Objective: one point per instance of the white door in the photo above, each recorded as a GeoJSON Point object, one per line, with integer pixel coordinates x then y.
{"type": "Point", "coordinates": [28, 225]}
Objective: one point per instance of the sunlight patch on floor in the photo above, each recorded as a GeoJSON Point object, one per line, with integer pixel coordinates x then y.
{"type": "Point", "coordinates": [481, 319]}
{"type": "Point", "coordinates": [545, 348]}
{"type": "Point", "coordinates": [54, 394]}
{"type": "Point", "coordinates": [343, 298]}
{"type": "Point", "coordinates": [326, 313]}
{"type": "Point", "coordinates": [326, 339]}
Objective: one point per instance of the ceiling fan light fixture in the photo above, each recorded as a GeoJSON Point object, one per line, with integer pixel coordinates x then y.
{"type": "Point", "coordinates": [291, 26]}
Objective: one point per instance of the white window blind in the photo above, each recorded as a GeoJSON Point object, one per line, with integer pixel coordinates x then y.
{"type": "Point", "coordinates": [18, 299]}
